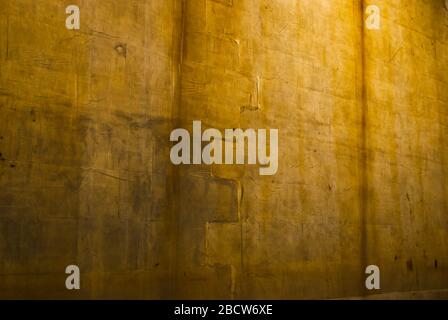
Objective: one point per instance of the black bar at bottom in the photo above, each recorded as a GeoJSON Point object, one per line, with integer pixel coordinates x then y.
{"type": "Point", "coordinates": [245, 309]}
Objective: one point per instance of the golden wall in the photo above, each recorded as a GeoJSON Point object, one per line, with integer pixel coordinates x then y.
{"type": "Point", "coordinates": [86, 177]}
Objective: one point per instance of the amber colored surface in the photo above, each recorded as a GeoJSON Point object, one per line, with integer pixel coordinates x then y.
{"type": "Point", "coordinates": [86, 178]}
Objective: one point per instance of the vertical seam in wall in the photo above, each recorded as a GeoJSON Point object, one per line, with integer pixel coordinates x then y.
{"type": "Point", "coordinates": [175, 187]}
{"type": "Point", "coordinates": [364, 182]}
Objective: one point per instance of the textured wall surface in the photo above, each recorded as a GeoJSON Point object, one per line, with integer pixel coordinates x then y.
{"type": "Point", "coordinates": [86, 178]}
{"type": "Point", "coordinates": [274, 64]}
{"type": "Point", "coordinates": [84, 175]}
{"type": "Point", "coordinates": [406, 84]}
